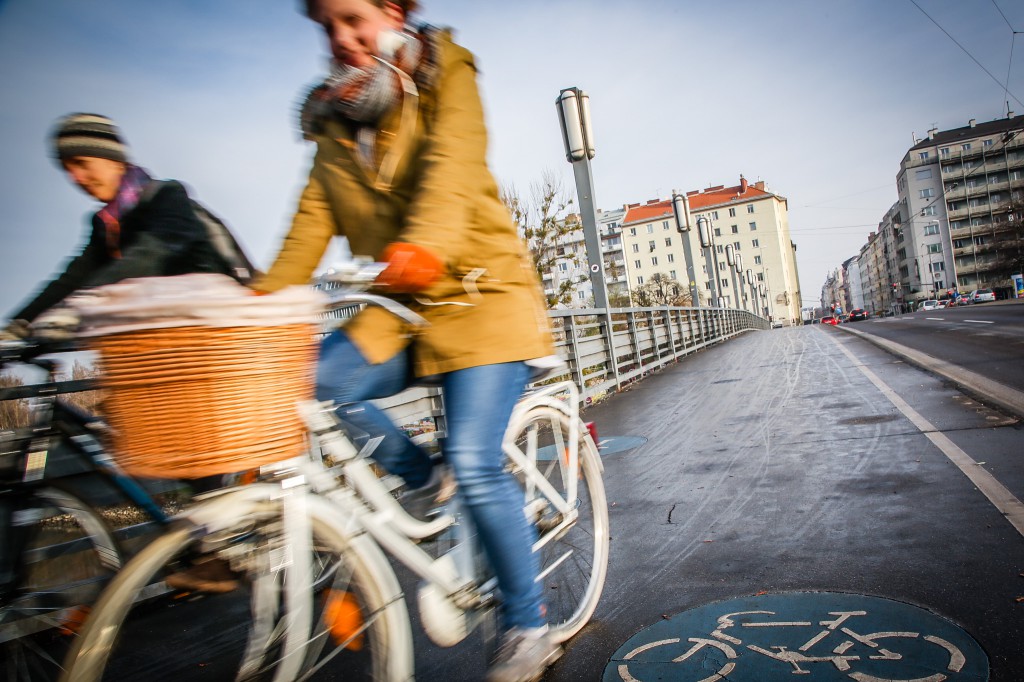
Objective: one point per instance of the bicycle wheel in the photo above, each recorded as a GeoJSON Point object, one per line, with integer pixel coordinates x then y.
{"type": "Point", "coordinates": [356, 622]}
{"type": "Point", "coordinates": [69, 555]}
{"type": "Point", "coordinates": [573, 554]}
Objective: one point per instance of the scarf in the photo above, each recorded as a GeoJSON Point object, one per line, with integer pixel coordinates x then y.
{"type": "Point", "coordinates": [364, 96]}
{"type": "Point", "coordinates": [128, 194]}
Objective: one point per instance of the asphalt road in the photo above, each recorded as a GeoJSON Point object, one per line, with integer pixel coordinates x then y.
{"type": "Point", "coordinates": [774, 464]}
{"type": "Point", "coordinates": [986, 338]}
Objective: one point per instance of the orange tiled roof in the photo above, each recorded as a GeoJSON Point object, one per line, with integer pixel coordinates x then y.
{"type": "Point", "coordinates": [717, 196]}
{"type": "Point", "coordinates": [652, 210]}
{"type": "Point", "coordinates": [699, 200]}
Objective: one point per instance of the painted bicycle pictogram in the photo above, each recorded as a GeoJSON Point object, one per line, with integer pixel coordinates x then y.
{"type": "Point", "coordinates": [833, 644]}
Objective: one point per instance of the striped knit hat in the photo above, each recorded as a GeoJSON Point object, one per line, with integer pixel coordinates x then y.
{"type": "Point", "coordinates": [88, 135]}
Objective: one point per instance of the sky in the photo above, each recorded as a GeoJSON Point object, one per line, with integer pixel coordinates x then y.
{"type": "Point", "coordinates": [818, 98]}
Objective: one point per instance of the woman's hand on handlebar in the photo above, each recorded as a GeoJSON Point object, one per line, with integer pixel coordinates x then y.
{"type": "Point", "coordinates": [410, 268]}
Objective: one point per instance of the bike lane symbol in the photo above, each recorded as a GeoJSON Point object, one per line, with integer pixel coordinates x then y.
{"type": "Point", "coordinates": [813, 635]}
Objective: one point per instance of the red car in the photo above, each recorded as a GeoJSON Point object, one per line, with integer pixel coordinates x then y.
{"type": "Point", "coordinates": [830, 320]}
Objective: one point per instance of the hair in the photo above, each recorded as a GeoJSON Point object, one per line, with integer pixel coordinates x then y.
{"type": "Point", "coordinates": [407, 6]}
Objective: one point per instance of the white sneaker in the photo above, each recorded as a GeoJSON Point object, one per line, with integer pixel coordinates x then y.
{"type": "Point", "coordinates": [524, 655]}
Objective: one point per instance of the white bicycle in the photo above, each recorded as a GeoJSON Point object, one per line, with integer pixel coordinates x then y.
{"type": "Point", "coordinates": [309, 539]}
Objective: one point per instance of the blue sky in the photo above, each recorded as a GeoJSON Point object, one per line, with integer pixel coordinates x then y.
{"type": "Point", "coordinates": [817, 98]}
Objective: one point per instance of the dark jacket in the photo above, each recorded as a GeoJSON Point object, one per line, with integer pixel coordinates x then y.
{"type": "Point", "coordinates": [160, 236]}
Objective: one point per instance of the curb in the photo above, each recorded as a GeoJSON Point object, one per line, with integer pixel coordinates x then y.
{"type": "Point", "coordinates": [984, 389]}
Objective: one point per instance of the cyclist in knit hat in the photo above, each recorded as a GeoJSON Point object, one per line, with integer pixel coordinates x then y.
{"type": "Point", "coordinates": [137, 233]}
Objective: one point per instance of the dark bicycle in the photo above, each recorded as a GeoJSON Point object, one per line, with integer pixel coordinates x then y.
{"type": "Point", "coordinates": [57, 550]}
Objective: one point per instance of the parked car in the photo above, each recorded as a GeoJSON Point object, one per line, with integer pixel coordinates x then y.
{"type": "Point", "coordinates": [829, 320]}
{"type": "Point", "coordinates": [930, 304]}
{"type": "Point", "coordinates": [943, 303]}
{"type": "Point", "coordinates": [858, 314]}
{"type": "Point", "coordinates": [982, 296]}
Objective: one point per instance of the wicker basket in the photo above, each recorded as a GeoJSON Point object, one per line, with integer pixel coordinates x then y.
{"type": "Point", "coordinates": [193, 401]}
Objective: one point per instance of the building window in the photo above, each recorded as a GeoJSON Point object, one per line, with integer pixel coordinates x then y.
{"type": "Point", "coordinates": [757, 260]}
{"type": "Point", "coordinates": [926, 193]}
{"type": "Point", "coordinates": [736, 246]}
{"type": "Point", "coordinates": [563, 267]}
{"type": "Point", "coordinates": [636, 248]}
{"type": "Point", "coordinates": [986, 143]}
{"type": "Point", "coordinates": [654, 261]}
{"type": "Point", "coordinates": [923, 156]}
{"type": "Point", "coordinates": [935, 248]}
{"type": "Point", "coordinates": [735, 229]}
{"type": "Point", "coordinates": [718, 232]}
{"type": "Point", "coordinates": [732, 212]}
{"type": "Point", "coordinates": [932, 228]}
{"type": "Point", "coordinates": [637, 264]}
{"type": "Point", "coordinates": [938, 267]}
{"type": "Point", "coordinates": [672, 274]}
{"type": "Point", "coordinates": [664, 225]}
{"type": "Point", "coordinates": [668, 241]}
{"type": "Point", "coordinates": [925, 174]}
{"type": "Point", "coordinates": [725, 283]}
{"type": "Point", "coordinates": [640, 279]}
{"type": "Point", "coordinates": [753, 227]}
{"type": "Point", "coordinates": [714, 215]}
{"type": "Point", "coordinates": [944, 152]}
{"type": "Point", "coordinates": [650, 229]}
{"type": "Point", "coordinates": [720, 248]}
{"type": "Point", "coordinates": [671, 258]}
{"type": "Point", "coordinates": [755, 243]}
{"type": "Point", "coordinates": [966, 146]}
{"type": "Point", "coordinates": [750, 208]}
{"type": "Point", "coordinates": [928, 210]}
{"type": "Point", "coordinates": [650, 245]}
{"type": "Point", "coordinates": [632, 232]}
{"type": "Point", "coordinates": [760, 277]}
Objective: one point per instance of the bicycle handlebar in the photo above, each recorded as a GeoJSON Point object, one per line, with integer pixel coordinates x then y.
{"type": "Point", "coordinates": [350, 285]}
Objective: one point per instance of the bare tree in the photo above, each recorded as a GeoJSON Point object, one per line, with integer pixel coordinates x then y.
{"type": "Point", "coordinates": [85, 400]}
{"type": "Point", "coordinates": [550, 231]}
{"type": "Point", "coordinates": [661, 290]}
{"type": "Point", "coordinates": [13, 413]}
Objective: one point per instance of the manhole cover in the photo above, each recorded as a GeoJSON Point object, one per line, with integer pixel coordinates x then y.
{"type": "Point", "coordinates": [820, 635]}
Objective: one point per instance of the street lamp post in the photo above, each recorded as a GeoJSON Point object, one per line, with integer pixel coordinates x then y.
{"type": "Point", "coordinates": [681, 209]}
{"type": "Point", "coordinates": [573, 107]}
{"type": "Point", "coordinates": [707, 242]}
{"type": "Point", "coordinates": [741, 292]}
{"type": "Point", "coordinates": [730, 260]}
{"type": "Point", "coordinates": [574, 116]}
{"type": "Point", "coordinates": [754, 304]}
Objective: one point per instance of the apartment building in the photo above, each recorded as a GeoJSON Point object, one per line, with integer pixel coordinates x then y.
{"type": "Point", "coordinates": [755, 221]}
{"type": "Point", "coordinates": [640, 240]}
{"type": "Point", "coordinates": [956, 189]}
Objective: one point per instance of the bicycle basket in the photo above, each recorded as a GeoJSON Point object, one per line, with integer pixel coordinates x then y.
{"type": "Point", "coordinates": [196, 399]}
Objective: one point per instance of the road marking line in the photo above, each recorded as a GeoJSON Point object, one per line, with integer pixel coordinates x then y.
{"type": "Point", "coordinates": [940, 319]}
{"type": "Point", "coordinates": [1003, 500]}
{"type": "Point", "coordinates": [979, 321]}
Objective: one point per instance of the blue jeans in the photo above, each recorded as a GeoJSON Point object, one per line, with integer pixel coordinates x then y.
{"type": "Point", "coordinates": [478, 403]}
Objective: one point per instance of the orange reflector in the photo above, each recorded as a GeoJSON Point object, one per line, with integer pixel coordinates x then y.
{"type": "Point", "coordinates": [344, 619]}
{"type": "Point", "coordinates": [592, 428]}
{"type": "Point", "coordinates": [72, 623]}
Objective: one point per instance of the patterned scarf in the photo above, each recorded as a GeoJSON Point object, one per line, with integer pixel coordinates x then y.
{"type": "Point", "coordinates": [132, 184]}
{"type": "Point", "coordinates": [366, 95]}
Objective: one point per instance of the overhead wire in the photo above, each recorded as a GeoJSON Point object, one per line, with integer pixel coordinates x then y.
{"type": "Point", "coordinates": [967, 52]}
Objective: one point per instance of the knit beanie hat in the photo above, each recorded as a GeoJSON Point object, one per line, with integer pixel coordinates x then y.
{"type": "Point", "coordinates": [88, 135]}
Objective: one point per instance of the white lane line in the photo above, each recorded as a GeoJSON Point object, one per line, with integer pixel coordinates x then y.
{"type": "Point", "coordinates": [1003, 500]}
{"type": "Point", "coordinates": [979, 321]}
{"type": "Point", "coordinates": [940, 319]}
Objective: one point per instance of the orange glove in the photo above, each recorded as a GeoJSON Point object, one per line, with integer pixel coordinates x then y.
{"type": "Point", "coordinates": [411, 267]}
